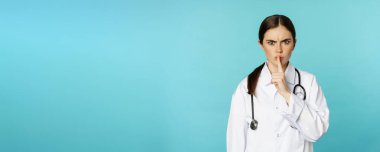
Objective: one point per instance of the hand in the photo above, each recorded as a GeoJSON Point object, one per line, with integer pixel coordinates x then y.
{"type": "Point", "coordinates": [278, 79]}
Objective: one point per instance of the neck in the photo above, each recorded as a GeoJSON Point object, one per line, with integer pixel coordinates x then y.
{"type": "Point", "coordinates": [273, 67]}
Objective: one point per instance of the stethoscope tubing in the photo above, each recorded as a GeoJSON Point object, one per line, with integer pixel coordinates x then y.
{"type": "Point", "coordinates": [254, 122]}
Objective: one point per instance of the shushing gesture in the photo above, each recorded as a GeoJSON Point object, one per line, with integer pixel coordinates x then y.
{"type": "Point", "coordinates": [278, 79]}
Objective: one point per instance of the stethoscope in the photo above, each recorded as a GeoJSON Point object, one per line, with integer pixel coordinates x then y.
{"type": "Point", "coordinates": [254, 122]}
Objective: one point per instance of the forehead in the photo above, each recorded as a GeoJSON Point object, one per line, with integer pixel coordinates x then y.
{"type": "Point", "coordinates": [278, 33]}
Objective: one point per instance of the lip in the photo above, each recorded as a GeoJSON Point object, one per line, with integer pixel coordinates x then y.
{"type": "Point", "coordinates": [281, 57]}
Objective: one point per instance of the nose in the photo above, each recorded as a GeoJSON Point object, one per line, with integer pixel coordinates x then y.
{"type": "Point", "coordinates": [278, 48]}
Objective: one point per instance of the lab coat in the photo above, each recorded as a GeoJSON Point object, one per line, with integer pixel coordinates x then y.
{"type": "Point", "coordinates": [281, 127]}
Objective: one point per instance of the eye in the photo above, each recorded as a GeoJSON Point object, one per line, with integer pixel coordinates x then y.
{"type": "Point", "coordinates": [270, 42]}
{"type": "Point", "coordinates": [287, 42]}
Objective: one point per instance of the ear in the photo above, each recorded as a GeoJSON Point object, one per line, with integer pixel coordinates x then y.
{"type": "Point", "coordinates": [261, 45]}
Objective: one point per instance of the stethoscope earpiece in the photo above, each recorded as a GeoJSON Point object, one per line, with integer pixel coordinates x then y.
{"type": "Point", "coordinates": [254, 124]}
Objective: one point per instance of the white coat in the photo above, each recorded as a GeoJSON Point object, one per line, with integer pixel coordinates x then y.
{"type": "Point", "coordinates": [281, 128]}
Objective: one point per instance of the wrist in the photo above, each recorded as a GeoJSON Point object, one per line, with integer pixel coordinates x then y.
{"type": "Point", "coordinates": [286, 95]}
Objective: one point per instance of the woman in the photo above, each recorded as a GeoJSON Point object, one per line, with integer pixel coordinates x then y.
{"type": "Point", "coordinates": [277, 108]}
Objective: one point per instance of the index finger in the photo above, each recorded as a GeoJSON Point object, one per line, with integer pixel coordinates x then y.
{"type": "Point", "coordinates": [279, 65]}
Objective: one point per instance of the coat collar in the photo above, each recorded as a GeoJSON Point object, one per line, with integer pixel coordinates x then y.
{"type": "Point", "coordinates": [266, 77]}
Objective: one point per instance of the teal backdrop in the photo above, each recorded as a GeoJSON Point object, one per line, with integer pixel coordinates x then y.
{"type": "Point", "coordinates": [145, 75]}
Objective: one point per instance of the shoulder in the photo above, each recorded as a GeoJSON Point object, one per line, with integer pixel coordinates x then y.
{"type": "Point", "coordinates": [242, 86]}
{"type": "Point", "coordinates": [307, 77]}
{"type": "Point", "coordinates": [306, 74]}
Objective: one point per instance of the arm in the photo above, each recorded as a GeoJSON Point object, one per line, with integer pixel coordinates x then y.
{"type": "Point", "coordinates": [310, 117]}
{"type": "Point", "coordinates": [237, 126]}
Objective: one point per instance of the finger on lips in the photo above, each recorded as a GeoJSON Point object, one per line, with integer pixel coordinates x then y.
{"type": "Point", "coordinates": [279, 66]}
{"type": "Point", "coordinates": [278, 76]}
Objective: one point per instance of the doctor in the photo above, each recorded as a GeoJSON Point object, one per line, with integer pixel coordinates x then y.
{"type": "Point", "coordinates": [277, 108]}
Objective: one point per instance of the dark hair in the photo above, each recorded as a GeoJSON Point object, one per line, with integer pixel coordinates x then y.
{"type": "Point", "coordinates": [275, 21]}
{"type": "Point", "coordinates": [268, 23]}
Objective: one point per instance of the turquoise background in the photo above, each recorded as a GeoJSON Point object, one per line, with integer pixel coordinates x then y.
{"type": "Point", "coordinates": [150, 75]}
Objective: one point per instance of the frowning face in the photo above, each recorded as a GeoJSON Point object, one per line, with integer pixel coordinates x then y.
{"type": "Point", "coordinates": [278, 42]}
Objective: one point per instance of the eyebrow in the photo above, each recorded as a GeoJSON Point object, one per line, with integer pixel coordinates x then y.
{"type": "Point", "coordinates": [287, 39]}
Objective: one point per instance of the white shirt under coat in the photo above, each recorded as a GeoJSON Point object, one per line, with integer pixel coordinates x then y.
{"type": "Point", "coordinates": [281, 128]}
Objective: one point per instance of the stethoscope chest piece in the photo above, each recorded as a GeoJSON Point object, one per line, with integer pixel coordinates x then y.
{"type": "Point", "coordinates": [254, 124]}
